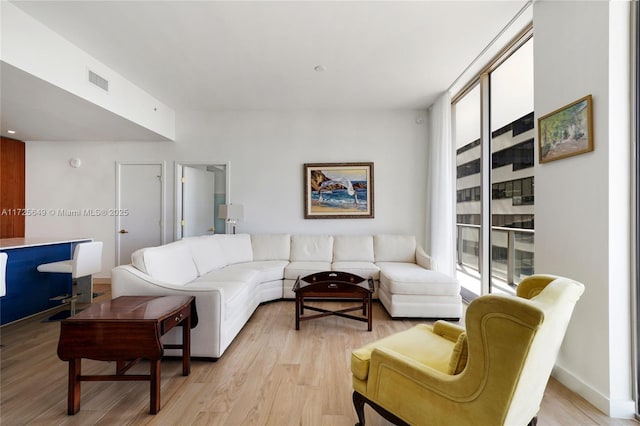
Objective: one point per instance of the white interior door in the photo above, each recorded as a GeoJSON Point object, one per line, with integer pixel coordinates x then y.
{"type": "Point", "coordinates": [198, 208]}
{"type": "Point", "coordinates": [140, 200]}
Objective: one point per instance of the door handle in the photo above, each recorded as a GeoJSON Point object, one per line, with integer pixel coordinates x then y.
{"type": "Point", "coordinates": [124, 231]}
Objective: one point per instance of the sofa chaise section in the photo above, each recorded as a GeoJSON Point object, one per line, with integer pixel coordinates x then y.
{"type": "Point", "coordinates": [409, 287]}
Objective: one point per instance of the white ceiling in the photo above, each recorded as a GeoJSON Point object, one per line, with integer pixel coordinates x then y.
{"type": "Point", "coordinates": [240, 55]}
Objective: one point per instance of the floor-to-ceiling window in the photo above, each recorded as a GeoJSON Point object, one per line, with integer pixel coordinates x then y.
{"type": "Point", "coordinates": [466, 119]}
{"type": "Point", "coordinates": [494, 135]}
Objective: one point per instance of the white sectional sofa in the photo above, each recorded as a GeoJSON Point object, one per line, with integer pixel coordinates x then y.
{"type": "Point", "coordinates": [230, 275]}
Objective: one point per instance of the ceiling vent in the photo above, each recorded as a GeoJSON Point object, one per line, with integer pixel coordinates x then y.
{"type": "Point", "coordinates": [99, 81]}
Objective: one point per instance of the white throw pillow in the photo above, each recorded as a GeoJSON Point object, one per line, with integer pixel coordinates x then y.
{"type": "Point", "coordinates": [353, 248]}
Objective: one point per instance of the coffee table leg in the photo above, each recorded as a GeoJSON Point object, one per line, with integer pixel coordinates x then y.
{"type": "Point", "coordinates": [297, 313]}
{"type": "Point", "coordinates": [73, 399]}
{"type": "Point", "coordinates": [155, 386]}
{"type": "Point", "coordinates": [370, 313]}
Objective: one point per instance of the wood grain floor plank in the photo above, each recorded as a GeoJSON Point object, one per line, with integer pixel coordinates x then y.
{"type": "Point", "coordinates": [270, 375]}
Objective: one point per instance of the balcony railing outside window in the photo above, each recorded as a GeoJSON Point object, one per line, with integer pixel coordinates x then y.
{"type": "Point", "coordinates": [512, 251]}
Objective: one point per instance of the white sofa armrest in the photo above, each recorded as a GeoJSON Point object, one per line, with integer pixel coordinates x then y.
{"type": "Point", "coordinates": [424, 260]}
{"type": "Point", "coordinates": [206, 337]}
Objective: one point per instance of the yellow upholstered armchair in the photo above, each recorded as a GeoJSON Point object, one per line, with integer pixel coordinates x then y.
{"type": "Point", "coordinates": [493, 373]}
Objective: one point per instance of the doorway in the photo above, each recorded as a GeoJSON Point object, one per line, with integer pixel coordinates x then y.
{"type": "Point", "coordinates": [200, 188]}
{"type": "Point", "coordinates": [140, 207]}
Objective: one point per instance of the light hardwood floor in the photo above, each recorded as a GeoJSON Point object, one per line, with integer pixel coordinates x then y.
{"type": "Point", "coordinates": [270, 375]}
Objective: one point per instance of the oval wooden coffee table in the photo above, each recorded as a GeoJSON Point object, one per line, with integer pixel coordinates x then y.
{"type": "Point", "coordinates": [334, 285]}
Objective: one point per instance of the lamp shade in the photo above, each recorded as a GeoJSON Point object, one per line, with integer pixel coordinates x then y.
{"type": "Point", "coordinates": [231, 211]}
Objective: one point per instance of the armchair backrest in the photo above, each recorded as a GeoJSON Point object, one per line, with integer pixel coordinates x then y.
{"type": "Point", "coordinates": [513, 345]}
{"type": "Point", "coordinates": [556, 297]}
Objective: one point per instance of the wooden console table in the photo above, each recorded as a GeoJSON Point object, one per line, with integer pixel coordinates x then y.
{"type": "Point", "coordinates": [125, 330]}
{"type": "Point", "coordinates": [334, 285]}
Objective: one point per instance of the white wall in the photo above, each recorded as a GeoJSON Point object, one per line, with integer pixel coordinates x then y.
{"type": "Point", "coordinates": [32, 47]}
{"type": "Point", "coordinates": [266, 151]}
{"type": "Point", "coordinates": [583, 203]}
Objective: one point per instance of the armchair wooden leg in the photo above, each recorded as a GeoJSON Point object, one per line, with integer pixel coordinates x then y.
{"type": "Point", "coordinates": [358, 404]}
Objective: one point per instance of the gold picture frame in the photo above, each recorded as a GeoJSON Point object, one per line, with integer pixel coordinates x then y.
{"type": "Point", "coordinates": [567, 131]}
{"type": "Point", "coordinates": [338, 191]}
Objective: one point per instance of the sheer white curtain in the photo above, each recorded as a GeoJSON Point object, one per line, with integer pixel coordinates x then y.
{"type": "Point", "coordinates": [441, 187]}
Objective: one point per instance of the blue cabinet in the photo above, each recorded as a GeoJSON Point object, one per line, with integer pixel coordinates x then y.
{"type": "Point", "coordinates": [29, 291]}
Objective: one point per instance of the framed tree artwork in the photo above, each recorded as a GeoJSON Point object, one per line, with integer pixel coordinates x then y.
{"type": "Point", "coordinates": [567, 131]}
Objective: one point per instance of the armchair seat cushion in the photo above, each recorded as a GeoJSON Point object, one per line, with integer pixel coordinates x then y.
{"type": "Point", "coordinates": [419, 343]}
{"type": "Point", "coordinates": [409, 278]}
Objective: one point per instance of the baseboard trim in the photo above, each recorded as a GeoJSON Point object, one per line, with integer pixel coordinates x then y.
{"type": "Point", "coordinates": [619, 409]}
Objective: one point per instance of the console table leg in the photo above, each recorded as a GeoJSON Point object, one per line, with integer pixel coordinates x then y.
{"type": "Point", "coordinates": [186, 346]}
{"type": "Point", "coordinates": [73, 398]}
{"type": "Point", "coordinates": [155, 386]}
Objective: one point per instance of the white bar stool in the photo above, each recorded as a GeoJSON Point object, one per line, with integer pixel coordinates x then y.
{"type": "Point", "coordinates": [87, 260]}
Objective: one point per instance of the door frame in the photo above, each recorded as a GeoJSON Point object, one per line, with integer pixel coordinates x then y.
{"type": "Point", "coordinates": [177, 192]}
{"type": "Point", "coordinates": [163, 168]}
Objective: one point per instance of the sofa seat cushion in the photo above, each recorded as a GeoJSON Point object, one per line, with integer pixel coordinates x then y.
{"type": "Point", "coordinates": [301, 269]}
{"type": "Point", "coordinates": [243, 275]}
{"type": "Point", "coordinates": [419, 343]}
{"type": "Point", "coordinates": [362, 269]}
{"type": "Point", "coordinates": [409, 278]}
{"type": "Point", "coordinates": [269, 270]}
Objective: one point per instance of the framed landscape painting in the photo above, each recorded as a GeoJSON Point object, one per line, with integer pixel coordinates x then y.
{"type": "Point", "coordinates": [567, 131]}
{"type": "Point", "coordinates": [338, 190]}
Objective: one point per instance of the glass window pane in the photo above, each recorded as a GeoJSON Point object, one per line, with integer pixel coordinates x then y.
{"type": "Point", "coordinates": [466, 127]}
{"type": "Point", "coordinates": [512, 136]}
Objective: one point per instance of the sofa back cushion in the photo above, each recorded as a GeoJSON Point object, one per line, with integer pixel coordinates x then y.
{"type": "Point", "coordinates": [311, 248]}
{"type": "Point", "coordinates": [236, 248]}
{"type": "Point", "coordinates": [395, 248]}
{"type": "Point", "coordinates": [207, 253]}
{"type": "Point", "coordinates": [171, 263]}
{"type": "Point", "coordinates": [353, 248]}
{"type": "Point", "coordinates": [271, 246]}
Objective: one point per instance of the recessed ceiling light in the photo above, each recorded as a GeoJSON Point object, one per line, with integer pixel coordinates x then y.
{"type": "Point", "coordinates": [320, 68]}
{"type": "Point", "coordinates": [11, 132]}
